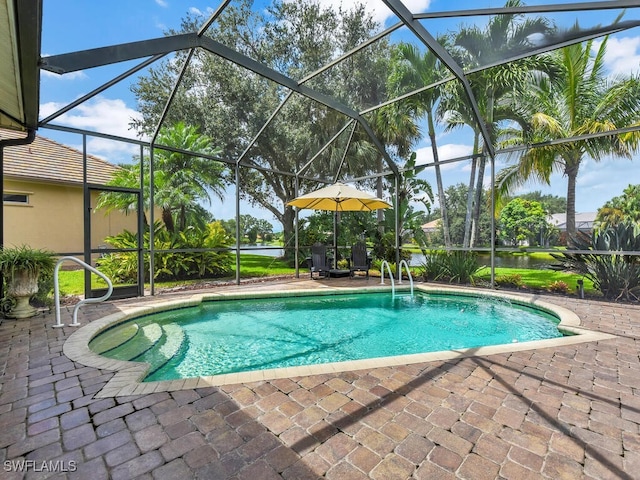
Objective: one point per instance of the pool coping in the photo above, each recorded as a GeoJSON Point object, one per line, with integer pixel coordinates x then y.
{"type": "Point", "coordinates": [128, 374]}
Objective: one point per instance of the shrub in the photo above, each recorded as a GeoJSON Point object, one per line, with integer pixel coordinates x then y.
{"type": "Point", "coordinates": [512, 280]}
{"type": "Point", "coordinates": [558, 287]}
{"type": "Point", "coordinates": [616, 275]}
{"type": "Point", "coordinates": [122, 267]}
{"type": "Point", "coordinates": [434, 267]}
{"type": "Point", "coordinates": [460, 266]}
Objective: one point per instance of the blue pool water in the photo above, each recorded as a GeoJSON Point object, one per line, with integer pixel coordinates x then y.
{"type": "Point", "coordinates": [244, 335]}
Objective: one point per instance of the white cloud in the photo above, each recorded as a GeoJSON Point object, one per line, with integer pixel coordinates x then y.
{"type": "Point", "coordinates": [379, 11]}
{"type": "Point", "coordinates": [446, 151]}
{"type": "Point", "coordinates": [162, 3]}
{"type": "Point", "coordinates": [79, 75]}
{"type": "Point", "coordinates": [622, 55]}
{"type": "Point", "coordinates": [110, 116]}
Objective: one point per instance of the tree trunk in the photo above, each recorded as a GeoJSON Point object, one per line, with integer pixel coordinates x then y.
{"type": "Point", "coordinates": [288, 231]}
{"type": "Point", "coordinates": [167, 219]}
{"type": "Point", "coordinates": [472, 178]}
{"type": "Point", "coordinates": [444, 216]}
{"type": "Point", "coordinates": [475, 221]}
{"type": "Point", "coordinates": [572, 174]}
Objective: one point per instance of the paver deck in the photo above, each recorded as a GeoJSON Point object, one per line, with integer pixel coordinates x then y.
{"type": "Point", "coordinates": [564, 412]}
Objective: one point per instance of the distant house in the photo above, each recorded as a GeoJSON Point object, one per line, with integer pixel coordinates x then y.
{"type": "Point", "coordinates": [584, 223]}
{"type": "Point", "coordinates": [431, 227]}
{"type": "Point", "coordinates": [43, 197]}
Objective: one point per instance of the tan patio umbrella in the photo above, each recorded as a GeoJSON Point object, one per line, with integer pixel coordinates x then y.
{"type": "Point", "coordinates": [339, 198]}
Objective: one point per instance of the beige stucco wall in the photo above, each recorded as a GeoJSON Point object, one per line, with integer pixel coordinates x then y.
{"type": "Point", "coordinates": [54, 219]}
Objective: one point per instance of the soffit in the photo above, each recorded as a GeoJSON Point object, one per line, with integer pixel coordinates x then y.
{"type": "Point", "coordinates": [20, 32]}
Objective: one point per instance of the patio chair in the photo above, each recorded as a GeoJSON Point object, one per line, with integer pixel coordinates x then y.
{"type": "Point", "coordinates": [360, 260]}
{"type": "Point", "coordinates": [319, 262]}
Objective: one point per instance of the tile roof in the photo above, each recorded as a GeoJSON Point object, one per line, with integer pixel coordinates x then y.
{"type": "Point", "coordinates": [50, 161]}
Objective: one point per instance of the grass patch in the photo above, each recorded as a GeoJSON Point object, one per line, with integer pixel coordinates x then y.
{"type": "Point", "coordinates": [540, 279]}
{"type": "Point", "coordinates": [71, 282]}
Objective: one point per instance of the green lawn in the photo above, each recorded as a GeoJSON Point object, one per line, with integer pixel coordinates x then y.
{"type": "Point", "coordinates": [72, 281]}
{"type": "Point", "coordinates": [541, 279]}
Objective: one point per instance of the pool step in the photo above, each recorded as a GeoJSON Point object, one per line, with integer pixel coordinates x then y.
{"type": "Point", "coordinates": [119, 336]}
{"type": "Point", "coordinates": [165, 349]}
{"type": "Point", "coordinates": [146, 337]}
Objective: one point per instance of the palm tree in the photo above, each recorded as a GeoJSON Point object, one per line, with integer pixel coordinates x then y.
{"type": "Point", "coordinates": [182, 182]}
{"type": "Point", "coordinates": [413, 70]}
{"type": "Point", "coordinates": [494, 89]}
{"type": "Point", "coordinates": [581, 101]}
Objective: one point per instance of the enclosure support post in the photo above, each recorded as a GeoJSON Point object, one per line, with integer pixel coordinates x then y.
{"type": "Point", "coordinates": [237, 172]}
{"type": "Point", "coordinates": [397, 220]}
{"type": "Point", "coordinates": [493, 222]}
{"type": "Point", "coordinates": [296, 254]}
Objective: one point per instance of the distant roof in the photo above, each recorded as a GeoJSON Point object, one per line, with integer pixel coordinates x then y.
{"type": "Point", "coordinates": [584, 221]}
{"type": "Point", "coordinates": [49, 161]}
{"type": "Point", "coordinates": [431, 226]}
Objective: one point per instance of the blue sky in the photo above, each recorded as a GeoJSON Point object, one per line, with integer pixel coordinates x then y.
{"type": "Point", "coordinates": [70, 25]}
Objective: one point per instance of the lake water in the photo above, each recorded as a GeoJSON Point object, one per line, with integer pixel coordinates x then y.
{"type": "Point", "coordinates": [417, 259]}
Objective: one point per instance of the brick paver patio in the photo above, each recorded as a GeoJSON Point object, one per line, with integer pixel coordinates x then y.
{"type": "Point", "coordinates": [556, 413]}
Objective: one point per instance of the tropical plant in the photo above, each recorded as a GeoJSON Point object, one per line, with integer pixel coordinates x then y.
{"type": "Point", "coordinates": [182, 182]}
{"type": "Point", "coordinates": [616, 275]}
{"type": "Point", "coordinates": [495, 89]}
{"type": "Point", "coordinates": [581, 100]}
{"type": "Point", "coordinates": [460, 266]}
{"type": "Point", "coordinates": [413, 70]}
{"type": "Point", "coordinates": [207, 259]}
{"type": "Point", "coordinates": [433, 267]}
{"type": "Point", "coordinates": [623, 208]}
{"type": "Point", "coordinates": [28, 271]}
{"type": "Point", "coordinates": [410, 190]}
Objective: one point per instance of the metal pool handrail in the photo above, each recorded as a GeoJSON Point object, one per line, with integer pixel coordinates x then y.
{"type": "Point", "coordinates": [56, 291]}
{"type": "Point", "coordinates": [393, 285]}
{"type": "Point", "coordinates": [404, 262]}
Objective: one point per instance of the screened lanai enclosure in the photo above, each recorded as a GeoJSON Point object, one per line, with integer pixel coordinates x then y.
{"type": "Point", "coordinates": [488, 128]}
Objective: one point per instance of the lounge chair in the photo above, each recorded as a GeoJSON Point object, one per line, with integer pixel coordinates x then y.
{"type": "Point", "coordinates": [319, 262]}
{"type": "Point", "coordinates": [360, 260]}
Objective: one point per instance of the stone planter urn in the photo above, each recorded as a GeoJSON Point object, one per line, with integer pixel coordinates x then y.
{"type": "Point", "coordinates": [22, 286]}
{"type": "Point", "coordinates": [21, 267]}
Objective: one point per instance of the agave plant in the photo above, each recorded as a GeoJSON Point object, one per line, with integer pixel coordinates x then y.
{"type": "Point", "coordinates": [616, 275]}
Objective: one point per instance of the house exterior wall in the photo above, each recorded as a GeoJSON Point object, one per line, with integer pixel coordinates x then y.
{"type": "Point", "coordinates": [53, 219]}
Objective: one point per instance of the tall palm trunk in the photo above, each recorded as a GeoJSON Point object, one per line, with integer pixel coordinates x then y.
{"type": "Point", "coordinates": [444, 216]}
{"type": "Point", "coordinates": [571, 171]}
{"type": "Point", "coordinates": [472, 178]}
{"type": "Point", "coordinates": [475, 220]}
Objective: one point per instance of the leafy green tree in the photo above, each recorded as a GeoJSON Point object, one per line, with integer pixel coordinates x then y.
{"type": "Point", "coordinates": [233, 105]}
{"type": "Point", "coordinates": [550, 203]}
{"type": "Point", "coordinates": [411, 190]}
{"type": "Point", "coordinates": [182, 182]}
{"type": "Point", "coordinates": [582, 99]}
{"type": "Point", "coordinates": [522, 220]}
{"type": "Point", "coordinates": [456, 196]}
{"type": "Point", "coordinates": [623, 208]}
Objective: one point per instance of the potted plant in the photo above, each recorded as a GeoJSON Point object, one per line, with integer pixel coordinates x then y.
{"type": "Point", "coordinates": [21, 268]}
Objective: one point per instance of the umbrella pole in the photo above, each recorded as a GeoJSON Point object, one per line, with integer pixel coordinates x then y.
{"type": "Point", "coordinates": [335, 239]}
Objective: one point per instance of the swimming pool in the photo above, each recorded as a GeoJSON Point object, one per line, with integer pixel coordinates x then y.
{"type": "Point", "coordinates": [222, 337]}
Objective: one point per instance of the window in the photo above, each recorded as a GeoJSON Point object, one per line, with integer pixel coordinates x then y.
{"type": "Point", "coordinates": [16, 198]}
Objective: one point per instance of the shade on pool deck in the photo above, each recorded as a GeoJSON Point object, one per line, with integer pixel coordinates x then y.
{"type": "Point", "coordinates": [571, 411]}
